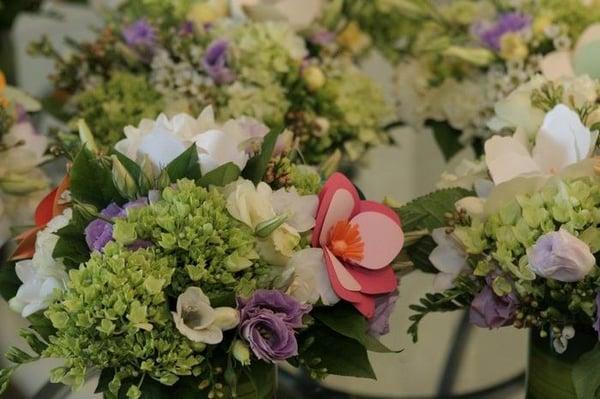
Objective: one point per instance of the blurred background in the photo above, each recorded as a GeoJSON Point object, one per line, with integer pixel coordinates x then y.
{"type": "Point", "coordinates": [449, 357]}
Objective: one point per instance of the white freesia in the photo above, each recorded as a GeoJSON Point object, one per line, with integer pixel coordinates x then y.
{"type": "Point", "coordinates": [254, 205]}
{"type": "Point", "coordinates": [164, 139]}
{"type": "Point", "coordinates": [310, 281]}
{"type": "Point", "coordinates": [449, 257]}
{"type": "Point", "coordinates": [562, 140]}
{"type": "Point", "coordinates": [42, 274]}
{"type": "Point", "coordinates": [299, 14]}
{"type": "Point", "coordinates": [26, 149]}
{"type": "Point", "coordinates": [199, 321]}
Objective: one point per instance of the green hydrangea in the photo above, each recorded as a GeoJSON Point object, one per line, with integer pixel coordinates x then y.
{"type": "Point", "coordinates": [123, 100]}
{"type": "Point", "coordinates": [305, 179]}
{"type": "Point", "coordinates": [211, 248]}
{"type": "Point", "coordinates": [498, 247]}
{"type": "Point", "coordinates": [114, 315]}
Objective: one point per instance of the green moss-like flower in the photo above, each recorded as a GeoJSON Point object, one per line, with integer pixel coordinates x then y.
{"type": "Point", "coordinates": [123, 100]}
{"type": "Point", "coordinates": [114, 315]}
{"type": "Point", "coordinates": [212, 249]}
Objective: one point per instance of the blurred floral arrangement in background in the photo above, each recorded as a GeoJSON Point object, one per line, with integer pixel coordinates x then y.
{"type": "Point", "coordinates": [181, 56]}
{"type": "Point", "coordinates": [515, 238]}
{"type": "Point", "coordinates": [22, 151]}
{"type": "Point", "coordinates": [463, 56]}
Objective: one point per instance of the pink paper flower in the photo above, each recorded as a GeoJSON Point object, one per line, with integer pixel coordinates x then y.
{"type": "Point", "coordinates": [359, 240]}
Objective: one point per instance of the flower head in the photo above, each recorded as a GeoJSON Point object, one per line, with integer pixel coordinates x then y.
{"type": "Point", "coordinates": [379, 325]}
{"type": "Point", "coordinates": [140, 34]}
{"type": "Point", "coordinates": [492, 35]}
{"type": "Point", "coordinates": [215, 62]}
{"type": "Point", "coordinates": [359, 239]}
{"type": "Point", "coordinates": [268, 322]}
{"type": "Point", "coordinates": [493, 311]}
{"type": "Point", "coordinates": [561, 256]}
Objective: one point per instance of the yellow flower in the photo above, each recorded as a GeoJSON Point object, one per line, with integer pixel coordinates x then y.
{"type": "Point", "coordinates": [314, 77]}
{"type": "Point", "coordinates": [353, 38]}
{"type": "Point", "coordinates": [202, 13]}
{"type": "Point", "coordinates": [540, 24]}
{"type": "Point", "coordinates": [512, 47]}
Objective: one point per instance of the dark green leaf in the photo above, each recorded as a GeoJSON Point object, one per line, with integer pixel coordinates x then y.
{"type": "Point", "coordinates": [185, 166]}
{"type": "Point", "coordinates": [71, 245]}
{"type": "Point", "coordinates": [419, 252]}
{"type": "Point", "coordinates": [9, 282]}
{"type": "Point", "coordinates": [338, 354]}
{"type": "Point", "coordinates": [586, 374]}
{"type": "Point", "coordinates": [428, 212]}
{"type": "Point", "coordinates": [262, 379]}
{"type": "Point", "coordinates": [33, 340]}
{"type": "Point", "coordinates": [106, 376]}
{"type": "Point", "coordinates": [257, 166]}
{"type": "Point", "coordinates": [132, 168]}
{"type": "Point", "coordinates": [344, 319]}
{"type": "Point", "coordinates": [91, 181]}
{"type": "Point", "coordinates": [220, 176]}
{"type": "Point", "coordinates": [447, 138]}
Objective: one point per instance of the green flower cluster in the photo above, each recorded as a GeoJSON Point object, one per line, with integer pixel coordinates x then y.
{"type": "Point", "coordinates": [123, 100]}
{"type": "Point", "coordinates": [114, 315]}
{"type": "Point", "coordinates": [212, 249]}
{"type": "Point", "coordinates": [498, 248]}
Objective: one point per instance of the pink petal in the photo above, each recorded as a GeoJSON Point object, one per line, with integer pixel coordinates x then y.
{"type": "Point", "coordinates": [338, 201]}
{"type": "Point", "coordinates": [366, 206]}
{"type": "Point", "coordinates": [343, 276]}
{"type": "Point", "coordinates": [374, 282]}
{"type": "Point", "coordinates": [382, 236]}
{"type": "Point", "coordinates": [363, 303]}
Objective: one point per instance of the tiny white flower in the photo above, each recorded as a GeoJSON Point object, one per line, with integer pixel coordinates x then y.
{"type": "Point", "coordinates": [448, 257]}
{"type": "Point", "coordinates": [310, 281]}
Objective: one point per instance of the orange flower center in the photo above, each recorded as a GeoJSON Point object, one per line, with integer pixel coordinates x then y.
{"type": "Point", "coordinates": [345, 242]}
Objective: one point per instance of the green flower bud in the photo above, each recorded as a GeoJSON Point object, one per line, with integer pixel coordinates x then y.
{"type": "Point", "coordinates": [122, 180]}
{"type": "Point", "coordinates": [20, 185]}
{"type": "Point", "coordinates": [314, 77]}
{"type": "Point", "coordinates": [241, 352]}
{"type": "Point", "coordinates": [266, 228]}
{"type": "Point", "coordinates": [86, 136]}
{"type": "Point", "coordinates": [476, 56]}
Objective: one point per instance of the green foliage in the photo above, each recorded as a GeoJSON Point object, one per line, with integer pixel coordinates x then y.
{"type": "Point", "coordinates": [123, 100]}
{"type": "Point", "coordinates": [419, 252]}
{"type": "Point", "coordinates": [5, 375]}
{"type": "Point", "coordinates": [9, 282]}
{"type": "Point", "coordinates": [221, 176]}
{"type": "Point", "coordinates": [345, 320]}
{"type": "Point", "coordinates": [71, 246]}
{"type": "Point", "coordinates": [92, 182]}
{"type": "Point", "coordinates": [257, 166]}
{"type": "Point", "coordinates": [455, 298]}
{"type": "Point", "coordinates": [430, 211]}
{"type": "Point", "coordinates": [447, 138]}
{"type": "Point", "coordinates": [185, 165]}
{"type": "Point", "coordinates": [586, 375]}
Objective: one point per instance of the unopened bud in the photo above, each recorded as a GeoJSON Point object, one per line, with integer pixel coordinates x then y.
{"type": "Point", "coordinates": [19, 185]}
{"type": "Point", "coordinates": [264, 229]}
{"type": "Point", "coordinates": [314, 77]}
{"type": "Point", "coordinates": [123, 180]}
{"type": "Point", "coordinates": [241, 353]}
{"type": "Point", "coordinates": [86, 136]}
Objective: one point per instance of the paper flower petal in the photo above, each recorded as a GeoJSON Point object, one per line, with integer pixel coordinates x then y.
{"type": "Point", "coordinates": [374, 282]}
{"type": "Point", "coordinates": [339, 201]}
{"type": "Point", "coordinates": [382, 238]}
{"type": "Point", "coordinates": [346, 280]}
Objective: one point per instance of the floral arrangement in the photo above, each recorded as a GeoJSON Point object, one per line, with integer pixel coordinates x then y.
{"type": "Point", "coordinates": [484, 50]}
{"type": "Point", "coordinates": [191, 258]}
{"type": "Point", "coordinates": [22, 151]}
{"type": "Point", "coordinates": [515, 240]}
{"type": "Point", "coordinates": [182, 56]}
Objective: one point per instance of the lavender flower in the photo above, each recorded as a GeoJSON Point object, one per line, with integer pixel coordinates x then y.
{"type": "Point", "coordinates": [561, 256]}
{"type": "Point", "coordinates": [268, 320]}
{"type": "Point", "coordinates": [493, 311]}
{"type": "Point", "coordinates": [215, 62]}
{"type": "Point", "coordinates": [186, 28]}
{"type": "Point", "coordinates": [491, 35]}
{"type": "Point", "coordinates": [140, 34]}
{"type": "Point", "coordinates": [384, 306]}
{"type": "Point", "coordinates": [323, 38]}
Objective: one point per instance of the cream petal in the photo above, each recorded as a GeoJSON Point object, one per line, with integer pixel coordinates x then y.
{"type": "Point", "coordinates": [226, 318]}
{"type": "Point", "coordinates": [506, 159]}
{"type": "Point", "coordinates": [557, 65]}
{"type": "Point", "coordinates": [216, 148]}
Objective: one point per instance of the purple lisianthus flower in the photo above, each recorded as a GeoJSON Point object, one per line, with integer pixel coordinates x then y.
{"type": "Point", "coordinates": [140, 34]}
{"type": "Point", "coordinates": [490, 35]}
{"type": "Point", "coordinates": [379, 324]}
{"type": "Point", "coordinates": [268, 321]}
{"type": "Point", "coordinates": [597, 322]}
{"type": "Point", "coordinates": [215, 62]}
{"type": "Point", "coordinates": [186, 28]}
{"type": "Point", "coordinates": [489, 310]}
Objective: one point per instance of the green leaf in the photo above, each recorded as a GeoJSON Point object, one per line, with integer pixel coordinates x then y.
{"type": "Point", "coordinates": [91, 181]}
{"type": "Point", "coordinates": [71, 245]}
{"type": "Point", "coordinates": [428, 212]}
{"type": "Point", "coordinates": [9, 282]}
{"type": "Point", "coordinates": [344, 319]}
{"type": "Point", "coordinates": [5, 375]}
{"type": "Point", "coordinates": [419, 252]}
{"type": "Point", "coordinates": [134, 171]}
{"type": "Point", "coordinates": [106, 376]}
{"type": "Point", "coordinates": [338, 354]}
{"type": "Point", "coordinates": [447, 138]}
{"type": "Point", "coordinates": [41, 325]}
{"type": "Point", "coordinates": [263, 381]}
{"type": "Point", "coordinates": [18, 356]}
{"type": "Point", "coordinates": [220, 176]}
{"type": "Point", "coordinates": [185, 166]}
{"type": "Point", "coordinates": [586, 374]}
{"type": "Point", "coordinates": [257, 166]}
{"type": "Point", "coordinates": [33, 340]}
